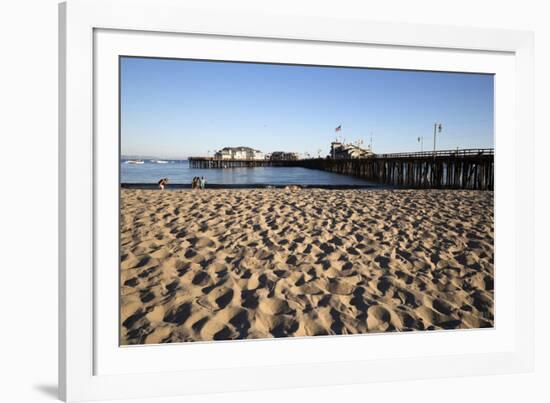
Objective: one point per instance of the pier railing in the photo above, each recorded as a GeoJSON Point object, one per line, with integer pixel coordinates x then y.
{"type": "Point", "coordinates": [466, 152]}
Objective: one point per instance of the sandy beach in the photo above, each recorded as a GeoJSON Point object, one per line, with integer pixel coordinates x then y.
{"type": "Point", "coordinates": [261, 263]}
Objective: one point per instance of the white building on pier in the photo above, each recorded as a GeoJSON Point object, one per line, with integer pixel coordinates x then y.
{"type": "Point", "coordinates": [239, 153]}
{"type": "Point", "coordinates": [339, 150]}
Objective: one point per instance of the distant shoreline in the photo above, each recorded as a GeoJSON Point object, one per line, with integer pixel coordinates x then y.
{"type": "Point", "coordinates": [251, 186]}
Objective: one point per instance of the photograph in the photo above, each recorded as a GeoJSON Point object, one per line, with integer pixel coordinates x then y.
{"type": "Point", "coordinates": [265, 200]}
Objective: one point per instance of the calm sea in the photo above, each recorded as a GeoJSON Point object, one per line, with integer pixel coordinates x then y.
{"type": "Point", "coordinates": [178, 172]}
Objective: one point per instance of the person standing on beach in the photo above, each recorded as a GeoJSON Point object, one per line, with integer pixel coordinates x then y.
{"type": "Point", "coordinates": [202, 182]}
{"type": "Point", "coordinates": [162, 183]}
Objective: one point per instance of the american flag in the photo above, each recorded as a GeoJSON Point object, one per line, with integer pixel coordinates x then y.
{"type": "Point", "coordinates": [339, 128]}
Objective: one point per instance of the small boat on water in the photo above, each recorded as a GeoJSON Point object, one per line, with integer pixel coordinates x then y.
{"type": "Point", "coordinates": [135, 162]}
{"type": "Point", "coordinates": [159, 161]}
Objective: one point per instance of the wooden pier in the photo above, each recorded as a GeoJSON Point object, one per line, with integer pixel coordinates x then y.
{"type": "Point", "coordinates": [215, 163]}
{"type": "Point", "coordinates": [448, 169]}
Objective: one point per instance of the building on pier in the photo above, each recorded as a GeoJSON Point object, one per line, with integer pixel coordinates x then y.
{"type": "Point", "coordinates": [339, 150]}
{"type": "Point", "coordinates": [239, 153]}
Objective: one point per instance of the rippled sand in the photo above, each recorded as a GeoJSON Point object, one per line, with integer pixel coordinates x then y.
{"type": "Point", "coordinates": [243, 264]}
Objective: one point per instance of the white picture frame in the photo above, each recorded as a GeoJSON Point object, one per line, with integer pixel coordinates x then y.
{"type": "Point", "coordinates": [85, 344]}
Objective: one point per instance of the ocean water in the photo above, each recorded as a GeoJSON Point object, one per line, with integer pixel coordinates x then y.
{"type": "Point", "coordinates": [178, 172]}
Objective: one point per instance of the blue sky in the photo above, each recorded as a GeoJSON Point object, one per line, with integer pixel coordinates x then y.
{"type": "Point", "coordinates": [179, 108]}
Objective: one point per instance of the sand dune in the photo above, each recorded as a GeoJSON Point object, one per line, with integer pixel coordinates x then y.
{"type": "Point", "coordinates": [233, 264]}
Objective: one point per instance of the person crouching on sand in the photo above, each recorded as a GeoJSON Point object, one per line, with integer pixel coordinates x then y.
{"type": "Point", "coordinates": [162, 183]}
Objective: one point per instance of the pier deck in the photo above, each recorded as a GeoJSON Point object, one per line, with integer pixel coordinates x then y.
{"type": "Point", "coordinates": [450, 169]}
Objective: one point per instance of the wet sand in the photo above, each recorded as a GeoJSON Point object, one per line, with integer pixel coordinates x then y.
{"type": "Point", "coordinates": [261, 263]}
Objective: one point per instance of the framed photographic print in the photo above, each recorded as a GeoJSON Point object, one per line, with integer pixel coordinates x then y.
{"type": "Point", "coordinates": [246, 206]}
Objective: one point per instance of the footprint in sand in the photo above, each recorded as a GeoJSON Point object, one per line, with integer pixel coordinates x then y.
{"type": "Point", "coordinates": [378, 318]}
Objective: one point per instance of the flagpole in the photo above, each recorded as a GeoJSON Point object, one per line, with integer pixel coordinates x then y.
{"type": "Point", "coordinates": [336, 130]}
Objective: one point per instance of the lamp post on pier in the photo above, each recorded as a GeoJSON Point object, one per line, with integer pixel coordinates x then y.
{"type": "Point", "coordinates": [437, 129]}
{"type": "Point", "coordinates": [421, 141]}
